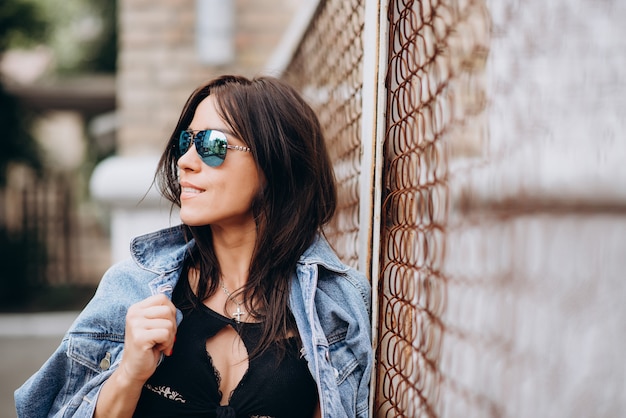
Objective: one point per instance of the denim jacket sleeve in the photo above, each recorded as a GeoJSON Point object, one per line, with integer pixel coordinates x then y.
{"type": "Point", "coordinates": [346, 324]}
{"type": "Point", "coordinates": [50, 393]}
{"type": "Point", "coordinates": [331, 309]}
{"type": "Point", "coordinates": [68, 384]}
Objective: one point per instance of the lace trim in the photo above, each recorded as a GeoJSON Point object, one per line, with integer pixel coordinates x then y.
{"type": "Point", "coordinates": [216, 373]}
{"type": "Point", "coordinates": [218, 379]}
{"type": "Point", "coordinates": [166, 392]}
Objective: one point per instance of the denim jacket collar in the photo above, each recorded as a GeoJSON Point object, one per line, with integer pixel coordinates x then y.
{"type": "Point", "coordinates": [163, 252]}
{"type": "Point", "coordinates": [320, 252]}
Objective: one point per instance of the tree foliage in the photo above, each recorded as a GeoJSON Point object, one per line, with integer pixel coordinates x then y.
{"type": "Point", "coordinates": [21, 23]}
{"type": "Point", "coordinates": [18, 145]}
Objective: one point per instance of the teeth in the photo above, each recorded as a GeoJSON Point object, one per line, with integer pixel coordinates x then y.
{"type": "Point", "coordinates": [190, 190]}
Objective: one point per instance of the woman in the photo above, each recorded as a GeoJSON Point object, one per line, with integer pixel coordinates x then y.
{"type": "Point", "coordinates": [242, 311]}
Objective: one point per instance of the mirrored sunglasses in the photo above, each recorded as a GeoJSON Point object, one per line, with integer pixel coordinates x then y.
{"type": "Point", "coordinates": [211, 145]}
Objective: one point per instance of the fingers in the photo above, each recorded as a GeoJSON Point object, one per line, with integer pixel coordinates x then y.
{"type": "Point", "coordinates": [154, 301]}
{"type": "Point", "coordinates": [156, 314]}
{"type": "Point", "coordinates": [150, 331]}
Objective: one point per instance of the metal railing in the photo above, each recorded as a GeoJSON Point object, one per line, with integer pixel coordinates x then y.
{"type": "Point", "coordinates": [39, 212]}
{"type": "Point", "coordinates": [40, 220]}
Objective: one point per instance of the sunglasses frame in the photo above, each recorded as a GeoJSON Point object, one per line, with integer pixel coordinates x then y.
{"type": "Point", "coordinates": [211, 148]}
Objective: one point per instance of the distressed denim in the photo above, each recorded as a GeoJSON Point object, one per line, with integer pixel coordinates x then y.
{"type": "Point", "coordinates": [329, 300]}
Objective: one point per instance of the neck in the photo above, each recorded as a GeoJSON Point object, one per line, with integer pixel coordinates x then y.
{"type": "Point", "coordinates": [234, 249]}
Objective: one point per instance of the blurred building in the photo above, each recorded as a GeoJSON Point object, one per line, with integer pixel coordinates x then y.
{"type": "Point", "coordinates": [49, 213]}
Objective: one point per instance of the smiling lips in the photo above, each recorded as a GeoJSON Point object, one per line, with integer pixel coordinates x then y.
{"type": "Point", "coordinates": [189, 191]}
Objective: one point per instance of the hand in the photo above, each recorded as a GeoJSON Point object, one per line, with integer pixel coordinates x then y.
{"type": "Point", "coordinates": [150, 331]}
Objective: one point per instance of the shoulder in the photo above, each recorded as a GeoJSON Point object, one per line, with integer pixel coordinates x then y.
{"type": "Point", "coordinates": [124, 275]}
{"type": "Point", "coordinates": [349, 287]}
{"type": "Point", "coordinates": [336, 279]}
{"type": "Point", "coordinates": [121, 286]}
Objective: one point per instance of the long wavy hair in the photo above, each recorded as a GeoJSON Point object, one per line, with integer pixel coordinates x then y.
{"type": "Point", "coordinates": [297, 198]}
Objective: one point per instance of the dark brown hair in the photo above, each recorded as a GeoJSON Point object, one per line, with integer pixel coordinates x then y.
{"type": "Point", "coordinates": [298, 196]}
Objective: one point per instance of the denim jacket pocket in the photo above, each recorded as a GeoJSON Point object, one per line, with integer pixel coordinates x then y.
{"type": "Point", "coordinates": [343, 361]}
{"type": "Point", "coordinates": [91, 354]}
{"type": "Point", "coordinates": [347, 373]}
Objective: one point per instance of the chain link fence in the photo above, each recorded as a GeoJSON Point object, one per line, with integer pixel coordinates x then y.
{"type": "Point", "coordinates": [437, 53]}
{"type": "Point", "coordinates": [327, 69]}
{"type": "Point", "coordinates": [501, 247]}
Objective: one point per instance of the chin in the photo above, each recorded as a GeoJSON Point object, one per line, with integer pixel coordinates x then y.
{"type": "Point", "coordinates": [192, 221]}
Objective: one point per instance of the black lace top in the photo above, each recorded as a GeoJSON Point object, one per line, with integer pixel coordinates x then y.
{"type": "Point", "coordinates": [187, 385]}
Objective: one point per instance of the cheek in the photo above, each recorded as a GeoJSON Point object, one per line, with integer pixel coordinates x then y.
{"type": "Point", "coordinates": [232, 197]}
{"type": "Point", "coordinates": [244, 197]}
{"type": "Point", "coordinates": [249, 183]}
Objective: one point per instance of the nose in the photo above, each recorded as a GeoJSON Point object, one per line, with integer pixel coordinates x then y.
{"type": "Point", "coordinates": [190, 160]}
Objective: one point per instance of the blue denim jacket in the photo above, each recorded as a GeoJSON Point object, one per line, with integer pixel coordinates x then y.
{"type": "Point", "coordinates": [329, 300]}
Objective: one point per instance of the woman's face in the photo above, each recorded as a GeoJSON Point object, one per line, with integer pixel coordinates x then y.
{"type": "Point", "coordinates": [219, 196]}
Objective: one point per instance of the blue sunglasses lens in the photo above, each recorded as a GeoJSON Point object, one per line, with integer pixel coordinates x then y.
{"type": "Point", "coordinates": [211, 145]}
